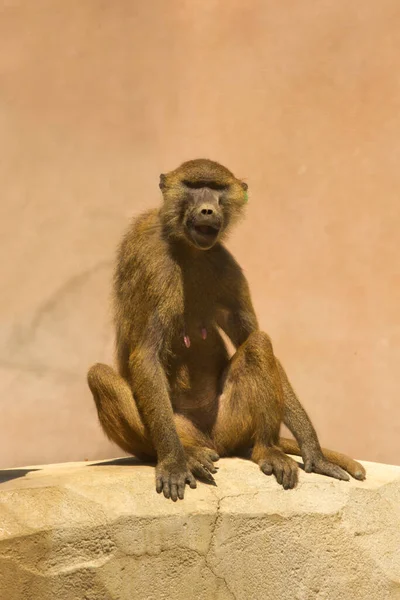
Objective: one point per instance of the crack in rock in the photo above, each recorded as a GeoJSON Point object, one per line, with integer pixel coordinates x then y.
{"type": "Point", "coordinates": [214, 527]}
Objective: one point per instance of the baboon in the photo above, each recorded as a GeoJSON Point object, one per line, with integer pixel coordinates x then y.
{"type": "Point", "coordinates": [178, 396]}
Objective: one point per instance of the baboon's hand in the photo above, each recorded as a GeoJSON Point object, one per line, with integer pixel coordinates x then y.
{"type": "Point", "coordinates": [201, 462]}
{"type": "Point", "coordinates": [285, 469]}
{"type": "Point", "coordinates": [316, 462]}
{"type": "Point", "coordinates": [172, 475]}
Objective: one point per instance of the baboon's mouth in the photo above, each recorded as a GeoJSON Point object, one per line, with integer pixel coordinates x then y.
{"type": "Point", "coordinates": [204, 235]}
{"type": "Point", "coordinates": [206, 230]}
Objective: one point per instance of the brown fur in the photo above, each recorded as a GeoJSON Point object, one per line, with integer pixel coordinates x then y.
{"type": "Point", "coordinates": [187, 405]}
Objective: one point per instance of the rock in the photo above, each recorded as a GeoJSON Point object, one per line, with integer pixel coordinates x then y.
{"type": "Point", "coordinates": [99, 531]}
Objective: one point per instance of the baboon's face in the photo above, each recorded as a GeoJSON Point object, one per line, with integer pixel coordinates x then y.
{"type": "Point", "coordinates": [202, 199]}
{"type": "Point", "coordinates": [204, 218]}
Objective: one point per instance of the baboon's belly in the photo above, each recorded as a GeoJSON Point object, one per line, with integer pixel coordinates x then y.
{"type": "Point", "coordinates": [195, 378]}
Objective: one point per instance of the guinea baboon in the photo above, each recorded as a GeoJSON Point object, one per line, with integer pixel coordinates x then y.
{"type": "Point", "coordinates": [177, 396]}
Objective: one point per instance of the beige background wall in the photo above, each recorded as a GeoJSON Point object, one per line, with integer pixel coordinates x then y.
{"type": "Point", "coordinates": [301, 98]}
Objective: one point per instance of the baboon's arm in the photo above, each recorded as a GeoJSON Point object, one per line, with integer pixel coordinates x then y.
{"type": "Point", "coordinates": [296, 418]}
{"type": "Point", "coordinates": [150, 389]}
{"type": "Point", "coordinates": [237, 318]}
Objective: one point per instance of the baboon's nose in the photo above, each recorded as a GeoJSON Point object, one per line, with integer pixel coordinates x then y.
{"type": "Point", "coordinates": [206, 209]}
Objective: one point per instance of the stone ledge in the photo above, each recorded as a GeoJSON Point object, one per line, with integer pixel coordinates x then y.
{"type": "Point", "coordinates": [99, 531]}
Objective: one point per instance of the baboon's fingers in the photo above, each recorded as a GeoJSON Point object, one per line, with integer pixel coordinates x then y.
{"type": "Point", "coordinates": [200, 463]}
{"type": "Point", "coordinates": [213, 455]}
{"type": "Point", "coordinates": [278, 471]}
{"type": "Point", "coordinates": [287, 477]}
{"type": "Point", "coordinates": [166, 489]}
{"type": "Point", "coordinates": [159, 484]}
{"type": "Point", "coordinates": [172, 482]}
{"type": "Point", "coordinates": [295, 478]}
{"type": "Point", "coordinates": [174, 488]}
{"type": "Point", "coordinates": [174, 492]}
{"type": "Point", "coordinates": [202, 472]}
{"type": "Point", "coordinates": [284, 468]}
{"type": "Point", "coordinates": [266, 468]}
{"type": "Point", "coordinates": [191, 481]}
{"type": "Point", "coordinates": [324, 467]}
{"type": "Point", "coordinates": [209, 465]}
{"type": "Point", "coordinates": [206, 456]}
{"type": "Point", "coordinates": [335, 472]}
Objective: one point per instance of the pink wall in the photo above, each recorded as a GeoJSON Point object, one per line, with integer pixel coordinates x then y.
{"type": "Point", "coordinates": [300, 98]}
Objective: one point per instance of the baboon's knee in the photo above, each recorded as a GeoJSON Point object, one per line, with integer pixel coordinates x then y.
{"type": "Point", "coordinates": [262, 338]}
{"type": "Point", "coordinates": [259, 347]}
{"type": "Point", "coordinates": [100, 379]}
{"type": "Point", "coordinates": [97, 374]}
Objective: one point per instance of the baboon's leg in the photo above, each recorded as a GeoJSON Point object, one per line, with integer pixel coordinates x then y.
{"type": "Point", "coordinates": [296, 419]}
{"type": "Point", "coordinates": [121, 422]}
{"type": "Point", "coordinates": [251, 409]}
{"type": "Point", "coordinates": [117, 411]}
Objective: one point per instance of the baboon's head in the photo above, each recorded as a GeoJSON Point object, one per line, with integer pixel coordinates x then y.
{"type": "Point", "coordinates": [202, 199]}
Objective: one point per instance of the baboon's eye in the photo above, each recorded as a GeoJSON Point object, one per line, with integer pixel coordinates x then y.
{"type": "Point", "coordinates": [218, 186]}
{"type": "Point", "coordinates": [198, 185]}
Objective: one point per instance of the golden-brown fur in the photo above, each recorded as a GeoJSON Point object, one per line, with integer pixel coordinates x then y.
{"type": "Point", "coordinates": [177, 396]}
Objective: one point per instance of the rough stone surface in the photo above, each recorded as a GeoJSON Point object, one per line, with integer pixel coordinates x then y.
{"type": "Point", "coordinates": [99, 531]}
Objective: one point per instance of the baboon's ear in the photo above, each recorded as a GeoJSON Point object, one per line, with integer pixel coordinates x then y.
{"type": "Point", "coordinates": [162, 181]}
{"type": "Point", "coordinates": [245, 187]}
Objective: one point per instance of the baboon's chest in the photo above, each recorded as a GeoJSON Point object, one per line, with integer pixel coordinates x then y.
{"type": "Point", "coordinates": [199, 355]}
{"type": "Point", "coordinates": [198, 288]}
{"type": "Point", "coordinates": [199, 307]}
